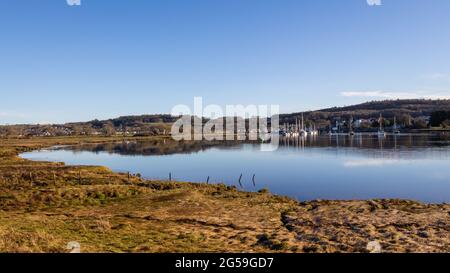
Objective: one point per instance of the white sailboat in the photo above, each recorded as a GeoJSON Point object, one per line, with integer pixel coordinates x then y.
{"type": "Point", "coordinates": [283, 131]}
{"type": "Point", "coordinates": [335, 130]}
{"type": "Point", "coordinates": [303, 132]}
{"type": "Point", "coordinates": [395, 128]}
{"type": "Point", "coordinates": [314, 131]}
{"type": "Point", "coordinates": [295, 132]}
{"type": "Point", "coordinates": [381, 132]}
{"type": "Point", "coordinates": [351, 132]}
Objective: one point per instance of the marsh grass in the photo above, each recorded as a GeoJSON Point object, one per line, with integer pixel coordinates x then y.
{"type": "Point", "coordinates": [45, 205]}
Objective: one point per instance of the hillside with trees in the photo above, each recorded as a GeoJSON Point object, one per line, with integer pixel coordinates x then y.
{"type": "Point", "coordinates": [417, 114]}
{"type": "Point", "coordinates": [406, 112]}
{"type": "Point", "coordinates": [440, 118]}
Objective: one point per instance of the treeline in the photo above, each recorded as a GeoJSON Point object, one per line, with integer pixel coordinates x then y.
{"type": "Point", "coordinates": [440, 118]}
{"type": "Point", "coordinates": [414, 114]}
{"type": "Point", "coordinates": [145, 125]}
{"type": "Point", "coordinates": [414, 107]}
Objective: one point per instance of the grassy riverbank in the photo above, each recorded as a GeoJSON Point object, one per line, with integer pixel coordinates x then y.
{"type": "Point", "coordinates": [44, 205]}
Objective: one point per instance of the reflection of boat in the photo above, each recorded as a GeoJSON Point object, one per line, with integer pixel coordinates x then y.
{"type": "Point", "coordinates": [381, 132]}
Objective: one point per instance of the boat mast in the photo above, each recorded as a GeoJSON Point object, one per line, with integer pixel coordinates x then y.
{"type": "Point", "coordinates": [380, 121]}
{"type": "Point", "coordinates": [303, 123]}
{"type": "Point", "coordinates": [351, 124]}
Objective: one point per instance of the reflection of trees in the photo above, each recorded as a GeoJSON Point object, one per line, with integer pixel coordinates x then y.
{"type": "Point", "coordinates": [405, 146]}
{"type": "Point", "coordinates": [371, 141]}
{"type": "Point", "coordinates": [156, 147]}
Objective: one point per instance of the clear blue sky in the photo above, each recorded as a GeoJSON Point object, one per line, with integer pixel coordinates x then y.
{"type": "Point", "coordinates": [109, 58]}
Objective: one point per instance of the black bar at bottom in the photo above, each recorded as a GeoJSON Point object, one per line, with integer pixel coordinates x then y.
{"type": "Point", "coordinates": [221, 262]}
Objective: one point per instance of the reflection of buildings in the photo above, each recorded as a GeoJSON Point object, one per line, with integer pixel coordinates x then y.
{"type": "Point", "coordinates": [391, 146]}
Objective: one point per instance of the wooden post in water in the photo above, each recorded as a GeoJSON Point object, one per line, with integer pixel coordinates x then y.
{"type": "Point", "coordinates": [253, 179]}
{"type": "Point", "coordinates": [207, 180]}
{"type": "Point", "coordinates": [240, 178]}
{"type": "Point", "coordinates": [170, 176]}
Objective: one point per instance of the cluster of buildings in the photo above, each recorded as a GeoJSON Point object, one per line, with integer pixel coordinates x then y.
{"type": "Point", "coordinates": [370, 124]}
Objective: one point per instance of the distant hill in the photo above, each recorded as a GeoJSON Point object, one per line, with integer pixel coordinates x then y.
{"type": "Point", "coordinates": [130, 121]}
{"type": "Point", "coordinates": [388, 108]}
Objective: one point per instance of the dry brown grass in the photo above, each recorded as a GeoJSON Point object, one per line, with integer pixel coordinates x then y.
{"type": "Point", "coordinates": [107, 212]}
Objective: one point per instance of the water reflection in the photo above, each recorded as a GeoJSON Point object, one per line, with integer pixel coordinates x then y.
{"type": "Point", "coordinates": [402, 145]}
{"type": "Point", "coordinates": [391, 146]}
{"type": "Point", "coordinates": [153, 148]}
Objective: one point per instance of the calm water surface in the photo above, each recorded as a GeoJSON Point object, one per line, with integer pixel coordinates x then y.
{"type": "Point", "coordinates": [325, 167]}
